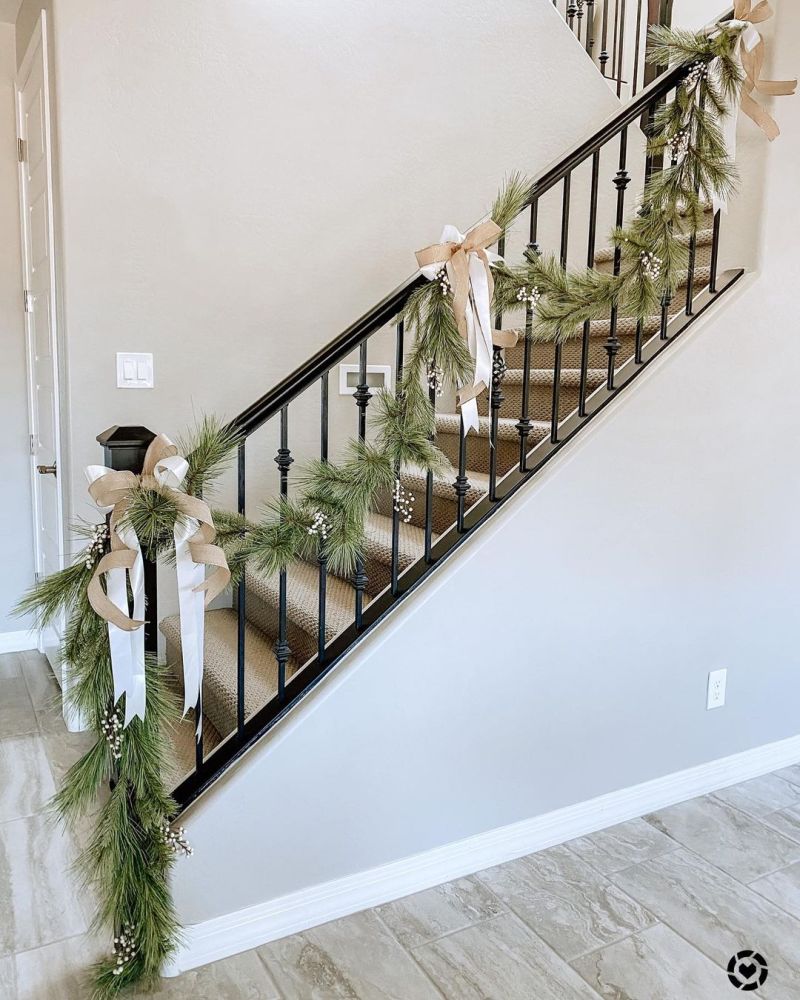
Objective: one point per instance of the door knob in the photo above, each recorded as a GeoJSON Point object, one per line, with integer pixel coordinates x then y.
{"type": "Point", "coordinates": [47, 470]}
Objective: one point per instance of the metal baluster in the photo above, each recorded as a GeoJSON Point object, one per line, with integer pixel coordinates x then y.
{"type": "Point", "coordinates": [497, 397]}
{"type": "Point", "coordinates": [590, 26]}
{"type": "Point", "coordinates": [621, 54]}
{"type": "Point", "coordinates": [603, 59]}
{"type": "Point", "coordinates": [714, 253]}
{"type": "Point", "coordinates": [579, 16]}
{"type": "Point", "coordinates": [396, 504]}
{"type": "Point", "coordinates": [637, 52]}
{"type": "Point", "coordinates": [241, 597]}
{"type": "Point", "coordinates": [590, 254]}
{"type": "Point", "coordinates": [621, 181]}
{"type": "Point", "coordinates": [558, 350]}
{"type": "Point", "coordinates": [429, 489]}
{"type": "Point", "coordinates": [461, 485]}
{"type": "Point", "coordinates": [614, 48]}
{"type": "Point", "coordinates": [283, 460]}
{"type": "Point", "coordinates": [362, 397]}
{"type": "Point", "coordinates": [322, 555]}
{"type": "Point", "coordinates": [665, 304]}
{"type": "Point", "coordinates": [524, 424]}
{"type": "Point", "coordinates": [572, 9]}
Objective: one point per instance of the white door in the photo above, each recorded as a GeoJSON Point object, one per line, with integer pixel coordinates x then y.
{"type": "Point", "coordinates": [33, 124]}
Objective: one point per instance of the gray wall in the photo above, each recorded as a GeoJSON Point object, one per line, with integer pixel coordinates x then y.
{"type": "Point", "coordinates": [564, 652]}
{"type": "Point", "coordinates": [15, 516]}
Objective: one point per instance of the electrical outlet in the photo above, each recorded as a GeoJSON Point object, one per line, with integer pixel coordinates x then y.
{"type": "Point", "coordinates": [717, 681]}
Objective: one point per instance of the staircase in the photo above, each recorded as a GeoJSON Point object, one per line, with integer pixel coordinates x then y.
{"type": "Point", "coordinates": [285, 631]}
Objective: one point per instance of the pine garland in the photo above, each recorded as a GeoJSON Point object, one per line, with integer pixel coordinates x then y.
{"type": "Point", "coordinates": [133, 849]}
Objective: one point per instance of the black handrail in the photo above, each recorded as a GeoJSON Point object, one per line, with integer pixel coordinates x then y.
{"type": "Point", "coordinates": [332, 353]}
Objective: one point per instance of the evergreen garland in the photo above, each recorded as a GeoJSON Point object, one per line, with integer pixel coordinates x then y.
{"type": "Point", "coordinates": [130, 855]}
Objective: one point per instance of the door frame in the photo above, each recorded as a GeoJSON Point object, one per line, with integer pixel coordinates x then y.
{"type": "Point", "coordinates": [40, 38]}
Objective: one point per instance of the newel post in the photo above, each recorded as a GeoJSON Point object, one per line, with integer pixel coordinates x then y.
{"type": "Point", "coordinates": [124, 450]}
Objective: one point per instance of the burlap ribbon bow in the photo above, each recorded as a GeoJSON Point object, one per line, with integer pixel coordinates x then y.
{"type": "Point", "coordinates": [164, 470]}
{"type": "Point", "coordinates": [467, 262]}
{"type": "Point", "coordinates": [752, 53]}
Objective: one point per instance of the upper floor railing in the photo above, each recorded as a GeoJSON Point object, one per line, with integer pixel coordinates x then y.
{"type": "Point", "coordinates": [614, 34]}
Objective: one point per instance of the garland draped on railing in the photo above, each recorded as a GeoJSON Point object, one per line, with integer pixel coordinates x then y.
{"type": "Point", "coordinates": [134, 847]}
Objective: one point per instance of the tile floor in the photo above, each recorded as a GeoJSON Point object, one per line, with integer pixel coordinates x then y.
{"type": "Point", "coordinates": [649, 910]}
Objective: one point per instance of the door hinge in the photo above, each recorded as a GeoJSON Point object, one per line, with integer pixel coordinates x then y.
{"type": "Point", "coordinates": [27, 299]}
{"type": "Point", "coordinates": [22, 150]}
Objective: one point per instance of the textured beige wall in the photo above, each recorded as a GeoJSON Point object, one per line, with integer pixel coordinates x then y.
{"type": "Point", "coordinates": [15, 518]}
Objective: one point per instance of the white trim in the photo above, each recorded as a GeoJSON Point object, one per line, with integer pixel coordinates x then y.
{"type": "Point", "coordinates": [256, 925]}
{"type": "Point", "coordinates": [16, 642]}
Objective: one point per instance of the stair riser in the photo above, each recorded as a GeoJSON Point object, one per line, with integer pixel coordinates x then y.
{"type": "Point", "coordinates": [264, 616]}
{"type": "Point", "coordinates": [214, 700]}
{"type": "Point", "coordinates": [540, 401]}
{"type": "Point", "coordinates": [702, 259]}
{"type": "Point", "coordinates": [443, 513]}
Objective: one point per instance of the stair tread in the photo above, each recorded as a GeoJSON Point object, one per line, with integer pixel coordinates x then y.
{"type": "Point", "coordinates": [450, 423]}
{"type": "Point", "coordinates": [302, 594]}
{"type": "Point", "coordinates": [220, 666]}
{"type": "Point", "coordinates": [378, 540]}
{"type": "Point", "coordinates": [544, 376]}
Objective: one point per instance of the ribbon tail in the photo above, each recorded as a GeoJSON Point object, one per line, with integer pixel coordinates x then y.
{"type": "Point", "coordinates": [191, 601]}
{"type": "Point", "coordinates": [136, 689]}
{"type": "Point", "coordinates": [469, 416]}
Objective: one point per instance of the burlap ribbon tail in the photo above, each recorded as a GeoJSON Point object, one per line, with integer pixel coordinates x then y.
{"type": "Point", "coordinates": [468, 264]}
{"type": "Point", "coordinates": [165, 470]}
{"type": "Point", "coordinates": [750, 51]}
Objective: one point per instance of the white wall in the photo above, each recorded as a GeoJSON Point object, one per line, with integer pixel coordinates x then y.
{"type": "Point", "coordinates": [17, 561]}
{"type": "Point", "coordinates": [241, 180]}
{"type": "Point", "coordinates": [662, 544]}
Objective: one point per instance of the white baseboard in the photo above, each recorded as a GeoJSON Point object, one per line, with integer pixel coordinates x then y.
{"type": "Point", "coordinates": [16, 642]}
{"type": "Point", "coordinates": [236, 932]}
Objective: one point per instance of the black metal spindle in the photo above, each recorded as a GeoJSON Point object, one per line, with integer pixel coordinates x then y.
{"type": "Point", "coordinates": [558, 349]}
{"type": "Point", "coordinates": [497, 396]}
{"type": "Point", "coordinates": [715, 253]}
{"type": "Point", "coordinates": [590, 26]}
{"type": "Point", "coordinates": [429, 482]}
{"type": "Point", "coordinates": [665, 304]}
{"type": "Point", "coordinates": [693, 245]}
{"type": "Point", "coordinates": [283, 460]}
{"type": "Point", "coordinates": [603, 59]}
{"type": "Point", "coordinates": [614, 43]}
{"type": "Point", "coordinates": [524, 424]}
{"type": "Point", "coordinates": [241, 597]}
{"type": "Point", "coordinates": [579, 16]}
{"type": "Point", "coordinates": [362, 397]}
{"type": "Point", "coordinates": [621, 181]}
{"type": "Point", "coordinates": [637, 350]}
{"type": "Point", "coordinates": [590, 255]}
{"type": "Point", "coordinates": [322, 556]}
{"type": "Point", "coordinates": [621, 53]}
{"type": "Point", "coordinates": [396, 503]}
{"type": "Point", "coordinates": [461, 485]}
{"type": "Point", "coordinates": [572, 9]}
{"type": "Point", "coordinates": [638, 48]}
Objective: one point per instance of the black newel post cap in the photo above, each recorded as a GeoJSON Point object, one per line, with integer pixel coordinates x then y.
{"type": "Point", "coordinates": [124, 448]}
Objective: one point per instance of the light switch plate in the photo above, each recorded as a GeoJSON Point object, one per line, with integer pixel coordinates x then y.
{"type": "Point", "coordinates": [134, 371]}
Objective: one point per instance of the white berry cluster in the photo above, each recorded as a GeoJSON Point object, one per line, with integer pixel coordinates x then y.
{"type": "Point", "coordinates": [435, 376]}
{"type": "Point", "coordinates": [680, 142]}
{"type": "Point", "coordinates": [529, 298]}
{"type": "Point", "coordinates": [651, 265]}
{"type": "Point", "coordinates": [111, 725]}
{"type": "Point", "coordinates": [97, 545]}
{"type": "Point", "coordinates": [320, 525]}
{"type": "Point", "coordinates": [124, 949]}
{"type": "Point", "coordinates": [444, 281]}
{"type": "Point", "coordinates": [402, 501]}
{"type": "Point", "coordinates": [697, 71]}
{"type": "Point", "coordinates": [176, 840]}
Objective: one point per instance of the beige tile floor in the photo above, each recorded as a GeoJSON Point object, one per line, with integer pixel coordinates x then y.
{"type": "Point", "coordinates": [648, 910]}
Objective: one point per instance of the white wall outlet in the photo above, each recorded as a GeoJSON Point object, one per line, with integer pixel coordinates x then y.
{"type": "Point", "coordinates": [134, 371]}
{"type": "Point", "coordinates": [717, 682]}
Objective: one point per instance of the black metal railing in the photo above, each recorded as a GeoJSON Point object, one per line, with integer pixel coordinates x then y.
{"type": "Point", "coordinates": [587, 189]}
{"type": "Point", "coordinates": [614, 34]}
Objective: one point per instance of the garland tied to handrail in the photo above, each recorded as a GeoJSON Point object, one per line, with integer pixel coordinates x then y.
{"type": "Point", "coordinates": [468, 266]}
{"type": "Point", "coordinates": [164, 471]}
